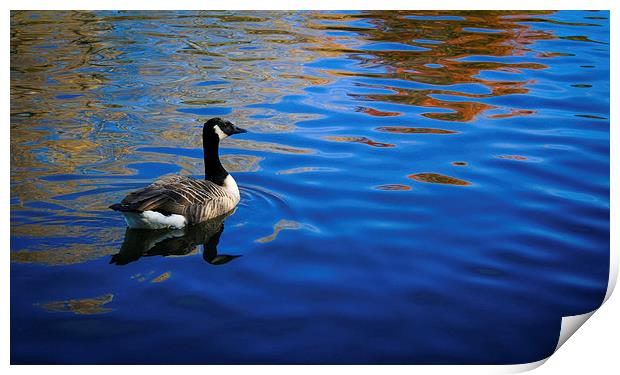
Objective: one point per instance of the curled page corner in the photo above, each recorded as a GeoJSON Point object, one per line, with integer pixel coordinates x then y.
{"type": "Point", "coordinates": [523, 367]}
{"type": "Point", "coordinates": [613, 273]}
{"type": "Point", "coordinates": [570, 324]}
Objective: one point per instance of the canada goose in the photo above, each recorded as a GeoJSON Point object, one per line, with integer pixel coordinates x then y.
{"type": "Point", "coordinates": [176, 201]}
{"type": "Point", "coordinates": [178, 242]}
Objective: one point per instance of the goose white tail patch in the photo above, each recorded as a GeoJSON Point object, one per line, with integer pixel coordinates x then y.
{"type": "Point", "coordinates": [153, 220]}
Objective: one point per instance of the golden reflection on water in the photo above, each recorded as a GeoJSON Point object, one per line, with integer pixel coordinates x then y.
{"type": "Point", "coordinates": [70, 252]}
{"type": "Point", "coordinates": [46, 67]}
{"type": "Point", "coordinates": [278, 227]}
{"type": "Point", "coordinates": [161, 278]}
{"type": "Point", "coordinates": [84, 306]}
{"type": "Point", "coordinates": [62, 255]}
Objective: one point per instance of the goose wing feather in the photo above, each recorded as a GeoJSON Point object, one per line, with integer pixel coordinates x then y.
{"type": "Point", "coordinates": [197, 200]}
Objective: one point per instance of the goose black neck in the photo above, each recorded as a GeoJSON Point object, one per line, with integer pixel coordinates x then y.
{"type": "Point", "coordinates": [214, 171]}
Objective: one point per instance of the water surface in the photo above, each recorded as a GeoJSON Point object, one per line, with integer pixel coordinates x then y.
{"type": "Point", "coordinates": [417, 187]}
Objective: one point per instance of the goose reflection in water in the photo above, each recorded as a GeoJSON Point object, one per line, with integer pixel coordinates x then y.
{"type": "Point", "coordinates": [179, 242]}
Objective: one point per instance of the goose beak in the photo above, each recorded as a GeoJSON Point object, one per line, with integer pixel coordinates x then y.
{"type": "Point", "coordinates": [238, 130]}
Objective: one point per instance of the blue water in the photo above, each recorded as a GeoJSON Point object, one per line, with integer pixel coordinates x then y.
{"type": "Point", "coordinates": [416, 187]}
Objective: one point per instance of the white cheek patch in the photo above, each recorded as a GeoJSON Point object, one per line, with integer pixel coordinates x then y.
{"type": "Point", "coordinates": [219, 132]}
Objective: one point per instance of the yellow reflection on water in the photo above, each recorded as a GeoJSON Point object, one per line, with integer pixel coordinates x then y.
{"type": "Point", "coordinates": [161, 278]}
{"type": "Point", "coordinates": [277, 228]}
{"type": "Point", "coordinates": [84, 306]}
{"type": "Point", "coordinates": [62, 255]}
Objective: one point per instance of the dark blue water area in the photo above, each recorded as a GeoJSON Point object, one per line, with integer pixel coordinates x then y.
{"type": "Point", "coordinates": [416, 187]}
{"type": "Point", "coordinates": [211, 111]}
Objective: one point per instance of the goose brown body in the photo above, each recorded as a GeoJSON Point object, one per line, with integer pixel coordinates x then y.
{"type": "Point", "coordinates": [196, 200]}
{"type": "Point", "coordinates": [175, 201]}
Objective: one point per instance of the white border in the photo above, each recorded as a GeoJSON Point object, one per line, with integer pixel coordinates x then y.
{"type": "Point", "coordinates": [597, 343]}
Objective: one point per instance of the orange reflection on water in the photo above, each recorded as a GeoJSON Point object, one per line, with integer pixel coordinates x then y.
{"type": "Point", "coordinates": [409, 130]}
{"type": "Point", "coordinates": [513, 113]}
{"type": "Point", "coordinates": [512, 157]}
{"type": "Point", "coordinates": [441, 63]}
{"type": "Point", "coordinates": [376, 112]}
{"type": "Point", "coordinates": [436, 178]}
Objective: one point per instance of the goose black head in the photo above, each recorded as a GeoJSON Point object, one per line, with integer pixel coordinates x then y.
{"type": "Point", "coordinates": [216, 127]}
